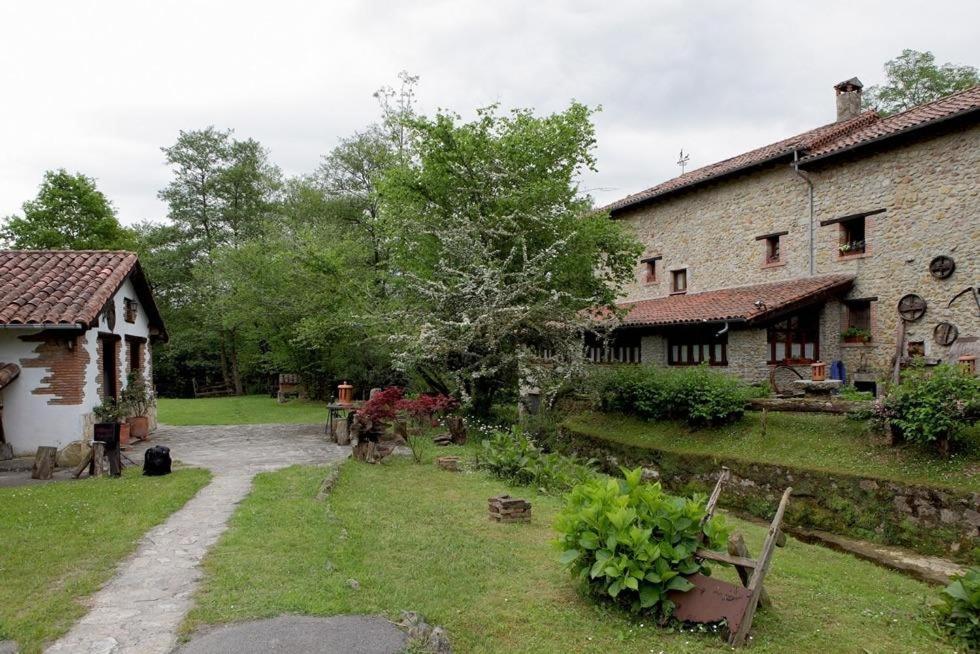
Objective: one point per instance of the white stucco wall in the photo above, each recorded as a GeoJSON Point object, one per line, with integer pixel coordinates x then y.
{"type": "Point", "coordinates": [29, 419]}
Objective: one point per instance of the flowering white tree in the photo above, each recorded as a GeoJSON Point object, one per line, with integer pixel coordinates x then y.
{"type": "Point", "coordinates": [494, 248]}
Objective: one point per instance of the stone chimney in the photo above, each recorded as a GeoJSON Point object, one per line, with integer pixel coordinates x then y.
{"type": "Point", "coordinates": [848, 98]}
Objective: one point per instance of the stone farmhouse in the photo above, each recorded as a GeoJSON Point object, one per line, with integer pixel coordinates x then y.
{"type": "Point", "coordinates": [803, 250]}
{"type": "Point", "coordinates": [73, 325]}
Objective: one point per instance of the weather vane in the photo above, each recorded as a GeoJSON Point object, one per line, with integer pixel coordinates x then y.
{"type": "Point", "coordinates": [682, 160]}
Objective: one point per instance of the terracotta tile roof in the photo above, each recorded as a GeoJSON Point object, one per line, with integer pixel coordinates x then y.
{"type": "Point", "coordinates": [736, 304]}
{"type": "Point", "coordinates": [747, 160]}
{"type": "Point", "coordinates": [823, 141]}
{"type": "Point", "coordinates": [8, 373]}
{"type": "Point", "coordinates": [925, 114]}
{"type": "Point", "coordinates": [66, 287]}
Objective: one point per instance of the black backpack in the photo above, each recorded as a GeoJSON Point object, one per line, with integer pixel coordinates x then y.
{"type": "Point", "coordinates": [156, 461]}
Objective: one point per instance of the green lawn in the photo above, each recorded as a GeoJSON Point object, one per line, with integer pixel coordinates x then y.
{"type": "Point", "coordinates": [806, 440]}
{"type": "Point", "coordinates": [60, 542]}
{"type": "Point", "coordinates": [245, 410]}
{"type": "Point", "coordinates": [418, 538]}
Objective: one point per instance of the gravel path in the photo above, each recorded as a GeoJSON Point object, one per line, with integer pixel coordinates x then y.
{"type": "Point", "coordinates": [139, 610]}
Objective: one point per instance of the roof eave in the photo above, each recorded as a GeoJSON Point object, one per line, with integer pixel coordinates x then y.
{"type": "Point", "coordinates": [884, 137]}
{"type": "Point", "coordinates": [706, 180]}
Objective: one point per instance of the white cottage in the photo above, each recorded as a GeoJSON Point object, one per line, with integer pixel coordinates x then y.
{"type": "Point", "coordinates": [73, 326]}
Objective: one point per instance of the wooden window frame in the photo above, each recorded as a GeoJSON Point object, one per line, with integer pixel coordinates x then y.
{"type": "Point", "coordinates": [650, 269]}
{"type": "Point", "coordinates": [703, 341]}
{"type": "Point", "coordinates": [674, 276]}
{"type": "Point", "coordinates": [135, 345]}
{"type": "Point", "coordinates": [789, 339]}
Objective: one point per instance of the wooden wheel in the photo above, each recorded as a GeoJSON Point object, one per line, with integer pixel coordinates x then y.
{"type": "Point", "coordinates": [911, 307]}
{"type": "Point", "coordinates": [942, 267]}
{"type": "Point", "coordinates": [945, 333]}
{"type": "Point", "coordinates": [781, 378]}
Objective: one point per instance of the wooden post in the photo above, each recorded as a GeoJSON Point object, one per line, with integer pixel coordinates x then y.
{"type": "Point", "coordinates": [762, 566]}
{"type": "Point", "coordinates": [44, 462]}
{"type": "Point", "coordinates": [86, 461]}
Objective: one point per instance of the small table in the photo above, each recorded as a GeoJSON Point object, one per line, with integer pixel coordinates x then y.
{"type": "Point", "coordinates": [337, 410]}
{"type": "Point", "coordinates": [825, 387]}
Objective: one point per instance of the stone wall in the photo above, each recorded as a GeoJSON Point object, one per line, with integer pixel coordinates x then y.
{"type": "Point", "coordinates": [934, 521]}
{"type": "Point", "coordinates": [930, 190]}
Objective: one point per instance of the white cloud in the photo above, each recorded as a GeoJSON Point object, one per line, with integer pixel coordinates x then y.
{"type": "Point", "coordinates": [99, 86]}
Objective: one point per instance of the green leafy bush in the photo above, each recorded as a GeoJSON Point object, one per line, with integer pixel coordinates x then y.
{"type": "Point", "coordinates": [933, 405]}
{"type": "Point", "coordinates": [698, 395]}
{"type": "Point", "coordinates": [959, 613]}
{"type": "Point", "coordinates": [514, 457]}
{"type": "Point", "coordinates": [633, 543]}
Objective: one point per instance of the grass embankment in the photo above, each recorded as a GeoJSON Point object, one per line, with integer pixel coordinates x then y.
{"type": "Point", "coordinates": [60, 542]}
{"type": "Point", "coordinates": [815, 441]}
{"type": "Point", "coordinates": [244, 410]}
{"type": "Point", "coordinates": [418, 538]}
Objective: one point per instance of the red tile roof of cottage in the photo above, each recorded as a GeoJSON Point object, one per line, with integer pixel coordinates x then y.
{"type": "Point", "coordinates": [823, 141]}
{"type": "Point", "coordinates": [66, 287]}
{"type": "Point", "coordinates": [737, 304]}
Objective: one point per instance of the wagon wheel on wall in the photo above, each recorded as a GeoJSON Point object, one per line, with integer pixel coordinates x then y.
{"type": "Point", "coordinates": [945, 333]}
{"type": "Point", "coordinates": [911, 307]}
{"type": "Point", "coordinates": [942, 267]}
{"type": "Point", "coordinates": [781, 378]}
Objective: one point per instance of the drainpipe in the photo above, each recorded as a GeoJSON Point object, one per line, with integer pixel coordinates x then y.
{"type": "Point", "coordinates": [809, 183]}
{"type": "Point", "coordinates": [724, 330]}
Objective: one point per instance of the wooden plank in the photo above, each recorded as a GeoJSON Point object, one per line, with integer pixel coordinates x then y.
{"type": "Point", "coordinates": [709, 509]}
{"type": "Point", "coordinates": [853, 216]}
{"type": "Point", "coordinates": [737, 547]}
{"type": "Point", "coordinates": [721, 557]}
{"type": "Point", "coordinates": [773, 234]}
{"type": "Point", "coordinates": [84, 464]}
{"type": "Point", "coordinates": [44, 462]}
{"type": "Point", "coordinates": [738, 638]}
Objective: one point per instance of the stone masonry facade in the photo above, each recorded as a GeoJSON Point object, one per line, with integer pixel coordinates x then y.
{"type": "Point", "coordinates": [929, 189]}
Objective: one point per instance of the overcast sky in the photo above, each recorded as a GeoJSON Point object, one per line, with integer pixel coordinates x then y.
{"type": "Point", "coordinates": [99, 87]}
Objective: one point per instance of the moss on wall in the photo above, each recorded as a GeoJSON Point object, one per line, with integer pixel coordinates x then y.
{"type": "Point", "coordinates": [931, 521]}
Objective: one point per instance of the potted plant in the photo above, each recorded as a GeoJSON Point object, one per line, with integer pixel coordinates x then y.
{"type": "Point", "coordinates": [138, 400]}
{"type": "Point", "coordinates": [856, 335]}
{"type": "Point", "coordinates": [109, 421]}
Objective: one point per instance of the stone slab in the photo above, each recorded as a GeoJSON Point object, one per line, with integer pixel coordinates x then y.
{"type": "Point", "coordinates": [930, 569]}
{"type": "Point", "coordinates": [343, 634]}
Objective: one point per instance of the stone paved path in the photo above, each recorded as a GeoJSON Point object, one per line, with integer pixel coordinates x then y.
{"type": "Point", "coordinates": [139, 610]}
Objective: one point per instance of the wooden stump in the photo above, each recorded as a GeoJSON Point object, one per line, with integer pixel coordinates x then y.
{"type": "Point", "coordinates": [44, 462]}
{"type": "Point", "coordinates": [457, 429]}
{"type": "Point", "coordinates": [450, 463]}
{"type": "Point", "coordinates": [98, 467]}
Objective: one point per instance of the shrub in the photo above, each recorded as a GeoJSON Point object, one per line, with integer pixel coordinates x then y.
{"type": "Point", "coordinates": [933, 405]}
{"type": "Point", "coordinates": [958, 614]}
{"type": "Point", "coordinates": [420, 445]}
{"type": "Point", "coordinates": [514, 457]}
{"type": "Point", "coordinates": [697, 395]}
{"type": "Point", "coordinates": [633, 543]}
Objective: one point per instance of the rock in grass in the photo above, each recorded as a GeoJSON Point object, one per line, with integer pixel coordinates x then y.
{"type": "Point", "coordinates": [354, 584]}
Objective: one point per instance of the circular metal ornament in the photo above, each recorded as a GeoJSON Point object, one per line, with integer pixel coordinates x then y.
{"type": "Point", "coordinates": [911, 307]}
{"type": "Point", "coordinates": [942, 267]}
{"type": "Point", "coordinates": [945, 333]}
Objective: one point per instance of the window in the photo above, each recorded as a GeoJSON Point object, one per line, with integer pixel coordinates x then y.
{"type": "Point", "coordinates": [795, 340]}
{"type": "Point", "coordinates": [621, 348]}
{"type": "Point", "coordinates": [129, 309]}
{"type": "Point", "coordinates": [678, 283]}
{"type": "Point", "coordinates": [852, 236]}
{"type": "Point", "coordinates": [651, 270]}
{"type": "Point", "coordinates": [134, 347]}
{"type": "Point", "coordinates": [697, 346]}
{"type": "Point", "coordinates": [772, 249]}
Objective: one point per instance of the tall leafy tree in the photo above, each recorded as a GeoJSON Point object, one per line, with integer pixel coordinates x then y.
{"type": "Point", "coordinates": [494, 247]}
{"type": "Point", "coordinates": [221, 192]}
{"type": "Point", "coordinates": [913, 78]}
{"type": "Point", "coordinates": [69, 212]}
